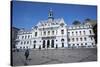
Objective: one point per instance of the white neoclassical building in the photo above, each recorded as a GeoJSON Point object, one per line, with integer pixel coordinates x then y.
{"type": "Point", "coordinates": [55, 33]}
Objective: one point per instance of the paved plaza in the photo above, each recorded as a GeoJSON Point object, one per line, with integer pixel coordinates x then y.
{"type": "Point", "coordinates": [54, 56]}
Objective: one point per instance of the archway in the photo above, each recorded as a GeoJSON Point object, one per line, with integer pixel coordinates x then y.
{"type": "Point", "coordinates": [43, 44]}
{"type": "Point", "coordinates": [52, 43]}
{"type": "Point", "coordinates": [48, 43]}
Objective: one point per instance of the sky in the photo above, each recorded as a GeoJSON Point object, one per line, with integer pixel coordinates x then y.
{"type": "Point", "coordinates": [28, 14]}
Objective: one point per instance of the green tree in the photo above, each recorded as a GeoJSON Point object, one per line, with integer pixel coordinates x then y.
{"type": "Point", "coordinates": [87, 19]}
{"type": "Point", "coordinates": [76, 22]}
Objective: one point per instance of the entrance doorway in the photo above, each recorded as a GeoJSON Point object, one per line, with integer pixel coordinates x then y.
{"type": "Point", "coordinates": [43, 44]}
{"type": "Point", "coordinates": [52, 43]}
{"type": "Point", "coordinates": [48, 43]}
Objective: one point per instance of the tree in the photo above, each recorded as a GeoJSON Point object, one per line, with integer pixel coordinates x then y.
{"type": "Point", "coordinates": [95, 32]}
{"type": "Point", "coordinates": [76, 22]}
{"type": "Point", "coordinates": [87, 19]}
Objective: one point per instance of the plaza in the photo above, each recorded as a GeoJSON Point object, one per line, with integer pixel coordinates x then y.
{"type": "Point", "coordinates": [55, 56]}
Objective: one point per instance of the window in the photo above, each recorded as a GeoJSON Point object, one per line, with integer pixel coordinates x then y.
{"type": "Point", "coordinates": [34, 41]}
{"type": "Point", "coordinates": [72, 39]}
{"type": "Point", "coordinates": [90, 31]}
{"type": "Point", "coordinates": [85, 38]}
{"type": "Point", "coordinates": [44, 32]}
{"type": "Point", "coordinates": [62, 31]}
{"type": "Point", "coordinates": [27, 47]}
{"type": "Point", "coordinates": [27, 42]}
{"type": "Point", "coordinates": [84, 32]}
{"type": "Point", "coordinates": [24, 42]}
{"type": "Point", "coordinates": [28, 36]}
{"type": "Point", "coordinates": [85, 43]}
{"type": "Point", "coordinates": [22, 37]}
{"type": "Point", "coordinates": [62, 40]}
{"type": "Point", "coordinates": [81, 44]}
{"type": "Point", "coordinates": [72, 33]}
{"type": "Point", "coordinates": [48, 32]}
{"type": "Point", "coordinates": [91, 38]}
{"type": "Point", "coordinates": [77, 44]}
{"type": "Point", "coordinates": [76, 39]}
{"type": "Point", "coordinates": [35, 33]}
{"type": "Point", "coordinates": [76, 32]}
{"type": "Point", "coordinates": [52, 32]}
{"type": "Point", "coordinates": [80, 32]}
{"type": "Point", "coordinates": [73, 44]}
{"type": "Point", "coordinates": [23, 47]}
{"type": "Point", "coordinates": [69, 39]}
{"type": "Point", "coordinates": [21, 42]}
{"type": "Point", "coordinates": [80, 39]}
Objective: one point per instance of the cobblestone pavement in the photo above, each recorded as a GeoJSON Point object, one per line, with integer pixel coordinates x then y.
{"type": "Point", "coordinates": [54, 56]}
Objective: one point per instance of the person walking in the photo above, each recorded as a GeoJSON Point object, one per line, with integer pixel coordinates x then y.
{"type": "Point", "coordinates": [26, 54]}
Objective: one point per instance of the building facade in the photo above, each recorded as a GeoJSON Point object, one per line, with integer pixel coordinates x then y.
{"type": "Point", "coordinates": [55, 33]}
{"type": "Point", "coordinates": [14, 32]}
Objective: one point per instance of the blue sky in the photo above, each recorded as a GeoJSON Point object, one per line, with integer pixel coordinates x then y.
{"type": "Point", "coordinates": [27, 14]}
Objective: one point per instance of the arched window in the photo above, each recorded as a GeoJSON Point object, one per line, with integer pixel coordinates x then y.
{"type": "Point", "coordinates": [22, 37]}
{"type": "Point", "coordinates": [34, 41]}
{"type": "Point", "coordinates": [90, 31]}
{"type": "Point", "coordinates": [35, 33]}
{"type": "Point", "coordinates": [72, 33]}
{"type": "Point", "coordinates": [85, 38]}
{"type": "Point", "coordinates": [85, 43]}
{"type": "Point", "coordinates": [48, 32]}
{"type": "Point", "coordinates": [84, 32]}
{"type": "Point", "coordinates": [69, 39]}
{"type": "Point", "coordinates": [62, 40]}
{"type": "Point", "coordinates": [24, 42]}
{"type": "Point", "coordinates": [27, 42]}
{"type": "Point", "coordinates": [21, 42]}
{"type": "Point", "coordinates": [72, 39]}
{"type": "Point", "coordinates": [44, 32]}
{"type": "Point", "coordinates": [76, 32]}
{"type": "Point", "coordinates": [52, 32]}
{"type": "Point", "coordinates": [62, 31]}
{"type": "Point", "coordinates": [80, 39]}
{"type": "Point", "coordinates": [76, 39]}
{"type": "Point", "coordinates": [80, 32]}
